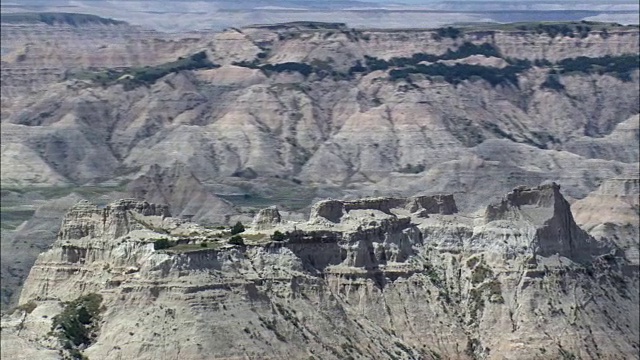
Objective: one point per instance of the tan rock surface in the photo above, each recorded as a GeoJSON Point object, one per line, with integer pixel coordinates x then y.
{"type": "Point", "coordinates": [613, 212]}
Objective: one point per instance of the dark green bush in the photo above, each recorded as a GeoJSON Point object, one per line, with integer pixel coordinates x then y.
{"type": "Point", "coordinates": [553, 30]}
{"type": "Point", "coordinates": [619, 66]}
{"type": "Point", "coordinates": [457, 73]}
{"type": "Point", "coordinates": [542, 62]}
{"type": "Point", "coordinates": [78, 321]}
{"type": "Point", "coordinates": [147, 75]}
{"type": "Point", "coordinates": [151, 74]}
{"type": "Point", "coordinates": [447, 32]}
{"type": "Point", "coordinates": [160, 244]}
{"type": "Point", "coordinates": [412, 169]}
{"type": "Point", "coordinates": [236, 240]}
{"type": "Point", "coordinates": [357, 68]}
{"type": "Point", "coordinates": [237, 228]}
{"type": "Point", "coordinates": [468, 49]}
{"type": "Point", "coordinates": [301, 68]}
{"type": "Point", "coordinates": [278, 236]}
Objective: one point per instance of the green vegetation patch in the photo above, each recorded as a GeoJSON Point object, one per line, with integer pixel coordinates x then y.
{"type": "Point", "coordinates": [185, 248]}
{"type": "Point", "coordinates": [279, 236]}
{"type": "Point", "coordinates": [465, 50]}
{"type": "Point", "coordinates": [619, 66]}
{"type": "Point", "coordinates": [455, 74]}
{"type": "Point", "coordinates": [412, 169]}
{"type": "Point", "coordinates": [318, 67]}
{"type": "Point", "coordinates": [480, 273]}
{"type": "Point", "coordinates": [403, 67]}
{"type": "Point", "coordinates": [145, 76]}
{"type": "Point", "coordinates": [237, 228]}
{"type": "Point", "coordinates": [76, 326]}
{"type": "Point", "coordinates": [236, 240]}
{"type": "Point", "coordinates": [161, 244]}
{"type": "Point", "coordinates": [447, 32]}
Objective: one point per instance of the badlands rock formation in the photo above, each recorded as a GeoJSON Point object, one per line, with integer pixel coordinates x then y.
{"type": "Point", "coordinates": [323, 121]}
{"type": "Point", "coordinates": [613, 212]}
{"type": "Point", "coordinates": [378, 278]}
{"type": "Point", "coordinates": [298, 112]}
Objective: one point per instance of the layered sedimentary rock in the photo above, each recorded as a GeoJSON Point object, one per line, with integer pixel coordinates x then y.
{"type": "Point", "coordinates": [613, 212]}
{"type": "Point", "coordinates": [377, 278]}
{"type": "Point", "coordinates": [185, 194]}
{"type": "Point", "coordinates": [267, 218]}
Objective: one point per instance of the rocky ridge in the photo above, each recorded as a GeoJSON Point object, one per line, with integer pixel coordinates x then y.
{"type": "Point", "coordinates": [329, 129]}
{"type": "Point", "coordinates": [405, 278]}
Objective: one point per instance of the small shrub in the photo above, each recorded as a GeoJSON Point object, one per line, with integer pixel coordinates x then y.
{"type": "Point", "coordinates": [412, 169]}
{"type": "Point", "coordinates": [237, 228]}
{"type": "Point", "coordinates": [204, 244]}
{"type": "Point", "coordinates": [236, 240]}
{"type": "Point", "coordinates": [160, 244]}
{"type": "Point", "coordinates": [278, 236]}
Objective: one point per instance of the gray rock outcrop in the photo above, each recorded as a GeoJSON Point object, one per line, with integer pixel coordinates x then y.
{"type": "Point", "coordinates": [267, 218]}
{"type": "Point", "coordinates": [370, 270]}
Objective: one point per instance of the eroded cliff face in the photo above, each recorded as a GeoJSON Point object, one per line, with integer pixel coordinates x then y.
{"type": "Point", "coordinates": [332, 128]}
{"type": "Point", "coordinates": [372, 278]}
{"type": "Point", "coordinates": [613, 212]}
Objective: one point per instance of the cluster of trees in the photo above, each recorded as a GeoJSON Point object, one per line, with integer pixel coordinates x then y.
{"type": "Point", "coordinates": [77, 323]}
{"type": "Point", "coordinates": [457, 73]}
{"type": "Point", "coordinates": [237, 228]}
{"type": "Point", "coordinates": [279, 236]}
{"type": "Point", "coordinates": [552, 30]}
{"type": "Point", "coordinates": [236, 240]}
{"type": "Point", "coordinates": [447, 32]}
{"type": "Point", "coordinates": [619, 66]}
{"type": "Point", "coordinates": [161, 244]}
{"type": "Point", "coordinates": [302, 68]}
{"type": "Point", "coordinates": [465, 50]}
{"type": "Point", "coordinates": [147, 75]}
